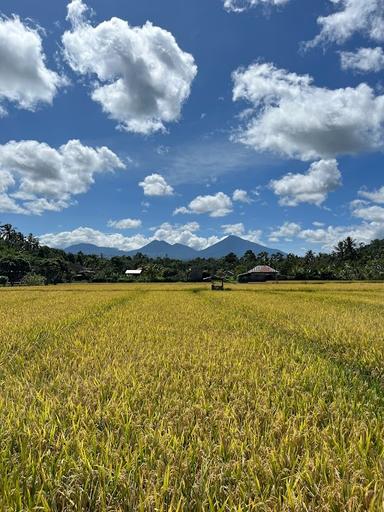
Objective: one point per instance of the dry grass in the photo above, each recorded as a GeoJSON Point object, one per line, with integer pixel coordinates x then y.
{"type": "Point", "coordinates": [176, 398]}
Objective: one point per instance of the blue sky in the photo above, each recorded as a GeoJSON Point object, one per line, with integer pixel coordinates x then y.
{"type": "Point", "coordinates": [262, 118]}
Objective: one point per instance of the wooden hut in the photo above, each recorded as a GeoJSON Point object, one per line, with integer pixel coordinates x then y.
{"type": "Point", "coordinates": [217, 282]}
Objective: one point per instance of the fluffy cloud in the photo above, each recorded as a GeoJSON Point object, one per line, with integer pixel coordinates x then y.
{"type": "Point", "coordinates": [9, 205]}
{"type": "Point", "coordinates": [295, 118]}
{"type": "Point", "coordinates": [76, 12]}
{"type": "Point", "coordinates": [155, 185]}
{"type": "Point", "coordinates": [125, 223]}
{"type": "Point", "coordinates": [242, 5]}
{"type": "Point", "coordinates": [376, 196]}
{"type": "Point", "coordinates": [241, 196]}
{"type": "Point", "coordinates": [372, 227]}
{"type": "Point", "coordinates": [313, 187]}
{"type": "Point", "coordinates": [253, 236]}
{"type": "Point", "coordinates": [6, 180]}
{"type": "Point", "coordinates": [25, 79]}
{"type": "Point", "coordinates": [93, 236]}
{"type": "Point", "coordinates": [233, 229]}
{"type": "Point", "coordinates": [43, 178]}
{"type": "Point", "coordinates": [287, 231]}
{"type": "Point", "coordinates": [185, 234]}
{"type": "Point", "coordinates": [143, 77]}
{"type": "Point", "coordinates": [370, 213]}
{"type": "Point", "coordinates": [354, 16]}
{"type": "Point", "coordinates": [217, 205]}
{"type": "Point", "coordinates": [327, 237]}
{"type": "Point", "coordinates": [364, 60]}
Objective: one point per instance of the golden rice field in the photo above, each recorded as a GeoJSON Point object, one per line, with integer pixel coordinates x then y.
{"type": "Point", "coordinates": [175, 398]}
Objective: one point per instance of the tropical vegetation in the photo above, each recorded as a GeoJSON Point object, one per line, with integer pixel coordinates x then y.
{"type": "Point", "coordinates": [24, 260]}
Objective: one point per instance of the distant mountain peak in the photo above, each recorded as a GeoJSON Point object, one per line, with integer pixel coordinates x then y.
{"type": "Point", "coordinates": [155, 243]}
{"type": "Point", "coordinates": [238, 246]}
{"type": "Point", "coordinates": [161, 249]}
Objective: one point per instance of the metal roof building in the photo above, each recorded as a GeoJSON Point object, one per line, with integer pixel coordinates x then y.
{"type": "Point", "coordinates": [260, 273]}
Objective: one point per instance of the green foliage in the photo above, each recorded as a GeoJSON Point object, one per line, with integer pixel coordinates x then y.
{"type": "Point", "coordinates": [348, 261]}
{"type": "Point", "coordinates": [32, 279]}
{"type": "Point", "coordinates": [14, 268]}
{"type": "Point", "coordinates": [52, 269]}
{"type": "Point", "coordinates": [3, 280]}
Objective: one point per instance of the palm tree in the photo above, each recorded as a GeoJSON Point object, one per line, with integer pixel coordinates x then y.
{"type": "Point", "coordinates": [7, 232]}
{"type": "Point", "coordinates": [32, 243]}
{"type": "Point", "coordinates": [346, 249]}
{"type": "Point", "coordinates": [350, 248]}
{"type": "Point", "coordinates": [263, 257]}
{"type": "Point", "coordinates": [339, 250]}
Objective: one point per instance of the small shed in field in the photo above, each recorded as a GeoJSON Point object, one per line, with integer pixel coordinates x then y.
{"type": "Point", "coordinates": [136, 272]}
{"type": "Point", "coordinates": [259, 274]}
{"type": "Point", "coordinates": [217, 282]}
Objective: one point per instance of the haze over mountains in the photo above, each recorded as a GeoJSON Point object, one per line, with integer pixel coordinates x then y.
{"type": "Point", "coordinates": [161, 249]}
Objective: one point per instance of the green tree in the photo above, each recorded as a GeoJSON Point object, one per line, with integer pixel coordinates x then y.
{"type": "Point", "coordinates": [14, 267]}
{"type": "Point", "coordinates": [52, 269]}
{"type": "Point", "coordinates": [7, 232]}
{"type": "Point", "coordinates": [231, 259]}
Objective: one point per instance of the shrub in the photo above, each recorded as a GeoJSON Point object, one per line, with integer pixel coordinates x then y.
{"type": "Point", "coordinates": [32, 279]}
{"type": "Point", "coordinates": [3, 280]}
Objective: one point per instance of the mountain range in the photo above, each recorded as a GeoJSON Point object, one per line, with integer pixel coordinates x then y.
{"type": "Point", "coordinates": [161, 249]}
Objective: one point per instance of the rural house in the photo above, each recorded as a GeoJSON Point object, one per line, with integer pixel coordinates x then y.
{"type": "Point", "coordinates": [258, 274]}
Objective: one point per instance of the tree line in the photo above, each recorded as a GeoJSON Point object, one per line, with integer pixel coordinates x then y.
{"type": "Point", "coordinates": [24, 260]}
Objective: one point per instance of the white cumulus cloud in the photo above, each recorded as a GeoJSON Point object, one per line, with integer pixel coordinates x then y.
{"type": "Point", "coordinates": [77, 12]}
{"type": "Point", "coordinates": [241, 196]}
{"type": "Point", "coordinates": [156, 185]}
{"type": "Point", "coordinates": [370, 213]}
{"type": "Point", "coordinates": [364, 60]}
{"type": "Point", "coordinates": [142, 76]}
{"type": "Point", "coordinates": [171, 233]}
{"type": "Point", "coordinates": [218, 205]}
{"type": "Point", "coordinates": [125, 223]}
{"type": "Point", "coordinates": [294, 118]}
{"type": "Point", "coordinates": [25, 80]}
{"type": "Point", "coordinates": [9, 205]}
{"type": "Point", "coordinates": [234, 229]}
{"type": "Point", "coordinates": [92, 236]}
{"type": "Point", "coordinates": [42, 178]}
{"type": "Point", "coordinates": [287, 231]}
{"type": "Point", "coordinates": [376, 196]}
{"type": "Point", "coordinates": [185, 234]}
{"type": "Point", "coordinates": [328, 236]}
{"type": "Point", "coordinates": [243, 5]}
{"type": "Point", "coordinates": [313, 187]}
{"type": "Point", "coordinates": [353, 16]}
